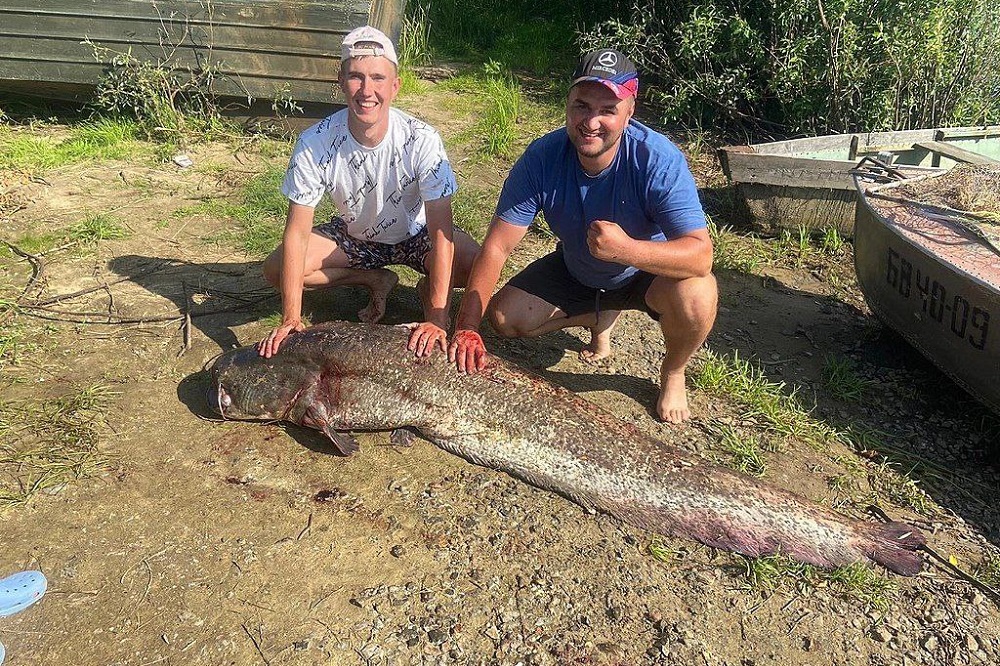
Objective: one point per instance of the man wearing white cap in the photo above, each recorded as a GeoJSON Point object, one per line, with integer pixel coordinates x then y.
{"type": "Point", "coordinates": [632, 235]}
{"type": "Point", "coordinates": [389, 176]}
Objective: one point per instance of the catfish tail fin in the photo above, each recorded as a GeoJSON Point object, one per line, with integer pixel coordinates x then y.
{"type": "Point", "coordinates": [895, 546]}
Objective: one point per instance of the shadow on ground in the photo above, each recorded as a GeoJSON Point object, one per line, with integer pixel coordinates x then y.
{"type": "Point", "coordinates": [920, 419]}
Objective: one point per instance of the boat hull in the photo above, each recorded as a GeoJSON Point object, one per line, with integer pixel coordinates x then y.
{"type": "Point", "coordinates": [947, 308]}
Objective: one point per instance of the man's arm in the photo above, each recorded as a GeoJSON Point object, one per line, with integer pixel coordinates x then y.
{"type": "Point", "coordinates": [440, 228]}
{"type": "Point", "coordinates": [298, 226]}
{"type": "Point", "coordinates": [467, 349]}
{"type": "Point", "coordinates": [689, 255]}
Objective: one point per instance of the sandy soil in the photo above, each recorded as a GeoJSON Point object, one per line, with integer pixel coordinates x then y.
{"type": "Point", "coordinates": [234, 543]}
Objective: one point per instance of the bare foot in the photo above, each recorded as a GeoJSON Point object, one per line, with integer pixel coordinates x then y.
{"type": "Point", "coordinates": [673, 405]}
{"type": "Point", "coordinates": [600, 337]}
{"type": "Point", "coordinates": [382, 282]}
{"type": "Point", "coordinates": [599, 347]}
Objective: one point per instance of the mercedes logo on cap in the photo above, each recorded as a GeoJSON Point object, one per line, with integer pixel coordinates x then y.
{"type": "Point", "coordinates": [608, 59]}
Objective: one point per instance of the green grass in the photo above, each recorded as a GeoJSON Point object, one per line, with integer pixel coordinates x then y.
{"type": "Point", "coordinates": [776, 411]}
{"type": "Point", "coordinates": [94, 229]}
{"type": "Point", "coordinates": [733, 251]}
{"type": "Point", "coordinates": [86, 234]}
{"type": "Point", "coordinates": [765, 401]}
{"type": "Point", "coordinates": [842, 380]}
{"type": "Point", "coordinates": [831, 242]}
{"type": "Point", "coordinates": [99, 139]}
{"type": "Point", "coordinates": [766, 575]}
{"type": "Point", "coordinates": [47, 444]}
{"type": "Point", "coordinates": [498, 126]}
{"type": "Point", "coordinates": [747, 450]}
{"type": "Point", "coordinates": [259, 210]}
{"type": "Point", "coordinates": [472, 209]}
{"type": "Point", "coordinates": [899, 488]}
{"type": "Point", "coordinates": [663, 552]}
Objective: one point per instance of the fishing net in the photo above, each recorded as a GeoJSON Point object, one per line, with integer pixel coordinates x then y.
{"type": "Point", "coordinates": [971, 188]}
{"type": "Point", "coordinates": [970, 192]}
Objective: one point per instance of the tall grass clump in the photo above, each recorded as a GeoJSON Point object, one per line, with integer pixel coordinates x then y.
{"type": "Point", "coordinates": [503, 106]}
{"type": "Point", "coordinates": [807, 66]}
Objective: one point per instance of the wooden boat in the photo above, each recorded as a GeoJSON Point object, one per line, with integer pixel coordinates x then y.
{"type": "Point", "coordinates": [807, 182]}
{"type": "Point", "coordinates": [930, 273]}
{"type": "Point", "coordinates": [259, 48]}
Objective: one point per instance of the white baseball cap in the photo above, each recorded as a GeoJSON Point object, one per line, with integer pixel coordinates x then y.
{"type": "Point", "coordinates": [368, 41]}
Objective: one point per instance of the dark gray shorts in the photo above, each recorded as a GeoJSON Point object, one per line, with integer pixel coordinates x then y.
{"type": "Point", "coordinates": [550, 280]}
{"type": "Point", "coordinates": [368, 254]}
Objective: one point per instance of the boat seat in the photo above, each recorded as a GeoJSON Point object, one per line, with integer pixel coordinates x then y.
{"type": "Point", "coordinates": [954, 152]}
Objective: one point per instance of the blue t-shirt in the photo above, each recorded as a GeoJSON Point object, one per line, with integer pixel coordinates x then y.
{"type": "Point", "coordinates": [648, 190]}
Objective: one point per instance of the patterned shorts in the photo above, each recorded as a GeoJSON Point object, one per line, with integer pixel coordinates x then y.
{"type": "Point", "coordinates": [369, 254]}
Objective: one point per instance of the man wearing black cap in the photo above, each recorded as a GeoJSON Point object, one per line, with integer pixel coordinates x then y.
{"type": "Point", "coordinates": [632, 235]}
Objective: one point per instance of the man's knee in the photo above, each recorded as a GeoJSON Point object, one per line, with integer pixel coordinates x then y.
{"type": "Point", "coordinates": [272, 268]}
{"type": "Point", "coordinates": [693, 300]}
{"type": "Point", "coordinates": [498, 313]}
{"type": "Point", "coordinates": [506, 316]}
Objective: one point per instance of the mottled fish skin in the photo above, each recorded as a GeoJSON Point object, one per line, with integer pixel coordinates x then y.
{"type": "Point", "coordinates": [346, 376]}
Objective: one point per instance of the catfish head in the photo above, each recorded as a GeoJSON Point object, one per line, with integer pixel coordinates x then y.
{"type": "Point", "coordinates": [247, 386]}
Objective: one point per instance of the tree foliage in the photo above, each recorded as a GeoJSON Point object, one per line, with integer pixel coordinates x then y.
{"type": "Point", "coordinates": [813, 65]}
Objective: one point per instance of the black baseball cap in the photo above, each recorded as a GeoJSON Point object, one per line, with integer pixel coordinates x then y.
{"type": "Point", "coordinates": [611, 68]}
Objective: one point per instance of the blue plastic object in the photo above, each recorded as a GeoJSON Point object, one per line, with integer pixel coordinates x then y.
{"type": "Point", "coordinates": [20, 590]}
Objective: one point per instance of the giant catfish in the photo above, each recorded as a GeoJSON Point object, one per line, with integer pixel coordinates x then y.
{"type": "Point", "coordinates": [341, 376]}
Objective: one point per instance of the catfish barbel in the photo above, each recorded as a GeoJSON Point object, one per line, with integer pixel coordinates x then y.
{"type": "Point", "coordinates": [341, 376]}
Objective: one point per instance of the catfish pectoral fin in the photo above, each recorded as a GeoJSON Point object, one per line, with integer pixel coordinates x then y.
{"type": "Point", "coordinates": [344, 442]}
{"type": "Point", "coordinates": [402, 437]}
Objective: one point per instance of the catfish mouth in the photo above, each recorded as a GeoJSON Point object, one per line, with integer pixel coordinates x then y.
{"type": "Point", "coordinates": [219, 400]}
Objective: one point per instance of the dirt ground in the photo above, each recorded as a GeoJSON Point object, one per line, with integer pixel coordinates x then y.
{"type": "Point", "coordinates": [206, 542]}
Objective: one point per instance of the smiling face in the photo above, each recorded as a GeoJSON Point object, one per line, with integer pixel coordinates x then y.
{"type": "Point", "coordinates": [595, 121]}
{"type": "Point", "coordinates": [370, 84]}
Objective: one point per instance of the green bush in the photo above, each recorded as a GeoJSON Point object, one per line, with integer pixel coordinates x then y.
{"type": "Point", "coordinates": [808, 66]}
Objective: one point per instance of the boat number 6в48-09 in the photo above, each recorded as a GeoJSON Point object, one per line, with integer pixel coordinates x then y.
{"type": "Point", "coordinates": [954, 311]}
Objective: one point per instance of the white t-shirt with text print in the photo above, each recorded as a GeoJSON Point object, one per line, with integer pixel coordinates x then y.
{"type": "Point", "coordinates": [380, 192]}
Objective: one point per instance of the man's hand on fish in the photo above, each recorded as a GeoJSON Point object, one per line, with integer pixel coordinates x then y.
{"type": "Point", "coordinates": [268, 347]}
{"type": "Point", "coordinates": [608, 242]}
{"type": "Point", "coordinates": [425, 336]}
{"type": "Point", "coordinates": [468, 351]}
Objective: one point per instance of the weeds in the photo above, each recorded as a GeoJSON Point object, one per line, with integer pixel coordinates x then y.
{"type": "Point", "coordinates": [899, 488]}
{"type": "Point", "coordinates": [13, 340]}
{"type": "Point", "coordinates": [503, 99]}
{"type": "Point", "coordinates": [747, 451]}
{"type": "Point", "coordinates": [843, 381]}
{"type": "Point", "coordinates": [664, 553]}
{"type": "Point", "coordinates": [45, 445]}
{"type": "Point", "coordinates": [988, 571]}
{"type": "Point", "coordinates": [764, 399]}
{"type": "Point", "coordinates": [415, 37]}
{"type": "Point", "coordinates": [731, 252]}
{"type": "Point", "coordinates": [766, 575]}
{"type": "Point", "coordinates": [95, 229]}
{"type": "Point", "coordinates": [166, 103]}
{"type": "Point", "coordinates": [473, 210]}
{"type": "Point", "coordinates": [832, 243]}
